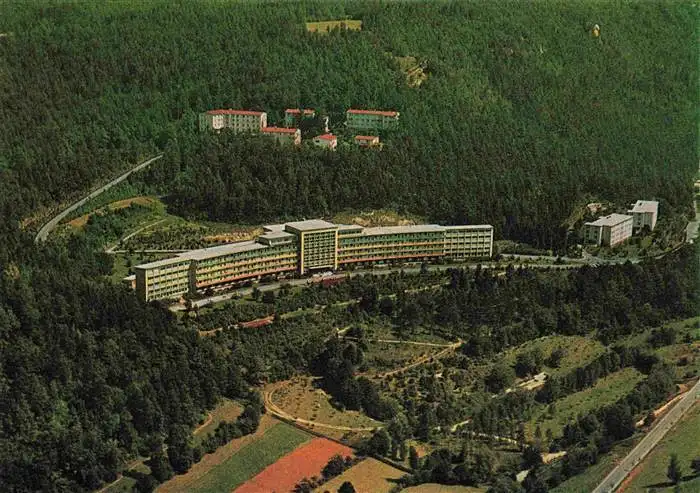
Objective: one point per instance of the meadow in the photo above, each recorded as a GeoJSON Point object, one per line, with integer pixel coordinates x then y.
{"type": "Point", "coordinates": [234, 467]}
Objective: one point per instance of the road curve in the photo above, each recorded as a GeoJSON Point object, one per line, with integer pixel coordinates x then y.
{"type": "Point", "coordinates": [613, 480]}
{"type": "Point", "coordinates": [51, 225]}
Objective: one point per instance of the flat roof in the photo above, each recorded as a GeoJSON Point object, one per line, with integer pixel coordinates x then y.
{"type": "Point", "coordinates": [413, 228]}
{"type": "Point", "coordinates": [373, 112]}
{"type": "Point", "coordinates": [273, 235]}
{"type": "Point", "coordinates": [349, 227]}
{"type": "Point", "coordinates": [470, 226]}
{"type": "Point", "coordinates": [217, 251]}
{"type": "Point", "coordinates": [311, 225]}
{"type": "Point", "coordinates": [205, 253]}
{"type": "Point", "coordinates": [611, 220]}
{"type": "Point", "coordinates": [273, 227]}
{"type": "Point", "coordinates": [235, 112]}
{"type": "Point", "coordinates": [645, 206]}
{"type": "Point", "coordinates": [163, 263]}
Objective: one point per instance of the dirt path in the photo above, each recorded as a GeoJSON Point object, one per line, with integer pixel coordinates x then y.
{"type": "Point", "coordinates": [275, 410]}
{"type": "Point", "coordinates": [421, 361]}
{"type": "Point", "coordinates": [120, 476]}
{"type": "Point", "coordinates": [210, 418]}
{"type": "Point", "coordinates": [398, 341]}
{"type": "Point", "coordinates": [131, 235]}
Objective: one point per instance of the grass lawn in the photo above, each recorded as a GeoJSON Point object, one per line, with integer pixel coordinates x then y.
{"type": "Point", "coordinates": [606, 391]}
{"type": "Point", "coordinates": [122, 263]}
{"type": "Point", "coordinates": [682, 440]}
{"type": "Point", "coordinates": [586, 482]}
{"type": "Point", "coordinates": [277, 441]}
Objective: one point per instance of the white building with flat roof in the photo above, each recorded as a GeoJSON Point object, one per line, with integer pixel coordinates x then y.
{"type": "Point", "coordinates": [644, 213]}
{"type": "Point", "coordinates": [237, 120]}
{"type": "Point", "coordinates": [609, 230]}
{"type": "Point", "coordinates": [301, 247]}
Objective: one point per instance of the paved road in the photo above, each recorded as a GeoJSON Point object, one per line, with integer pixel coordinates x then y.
{"type": "Point", "coordinates": [618, 475]}
{"type": "Point", "coordinates": [51, 225]}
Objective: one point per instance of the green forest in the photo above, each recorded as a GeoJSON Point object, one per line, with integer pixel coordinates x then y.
{"type": "Point", "coordinates": [524, 115]}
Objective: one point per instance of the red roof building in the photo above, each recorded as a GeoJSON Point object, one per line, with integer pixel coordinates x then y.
{"type": "Point", "coordinates": [327, 141]}
{"type": "Point", "coordinates": [284, 135]}
{"type": "Point", "coordinates": [371, 119]}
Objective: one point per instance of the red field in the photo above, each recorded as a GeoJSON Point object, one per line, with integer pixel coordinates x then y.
{"type": "Point", "coordinates": [305, 462]}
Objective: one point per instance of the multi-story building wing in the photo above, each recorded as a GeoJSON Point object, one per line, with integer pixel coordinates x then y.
{"type": "Point", "coordinates": [284, 135]}
{"type": "Point", "coordinates": [236, 120]}
{"type": "Point", "coordinates": [371, 119]}
{"type": "Point", "coordinates": [392, 242]}
{"type": "Point", "coordinates": [163, 279]}
{"type": "Point", "coordinates": [305, 246]}
{"type": "Point", "coordinates": [318, 244]}
{"type": "Point", "coordinates": [469, 241]}
{"type": "Point", "coordinates": [644, 213]}
{"type": "Point", "coordinates": [272, 254]}
{"type": "Point", "coordinates": [609, 230]}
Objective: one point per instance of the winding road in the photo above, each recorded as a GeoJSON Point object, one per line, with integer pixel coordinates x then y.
{"type": "Point", "coordinates": [53, 222]}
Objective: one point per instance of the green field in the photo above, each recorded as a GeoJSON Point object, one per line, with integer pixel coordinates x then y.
{"type": "Point", "coordinates": [682, 440]}
{"type": "Point", "coordinates": [579, 351]}
{"type": "Point", "coordinates": [326, 26]}
{"type": "Point", "coordinates": [606, 391]}
{"type": "Point", "coordinates": [250, 460]}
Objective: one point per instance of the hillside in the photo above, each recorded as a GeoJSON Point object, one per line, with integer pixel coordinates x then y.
{"type": "Point", "coordinates": [523, 110]}
{"type": "Point", "coordinates": [523, 113]}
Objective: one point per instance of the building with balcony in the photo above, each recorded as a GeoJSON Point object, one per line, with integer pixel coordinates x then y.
{"type": "Point", "coordinates": [283, 135]}
{"type": "Point", "coordinates": [306, 246]}
{"type": "Point", "coordinates": [644, 213]}
{"type": "Point", "coordinates": [326, 141]}
{"type": "Point", "coordinates": [609, 230]}
{"type": "Point", "coordinates": [371, 119]}
{"type": "Point", "coordinates": [293, 116]}
{"type": "Point", "coordinates": [236, 120]}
